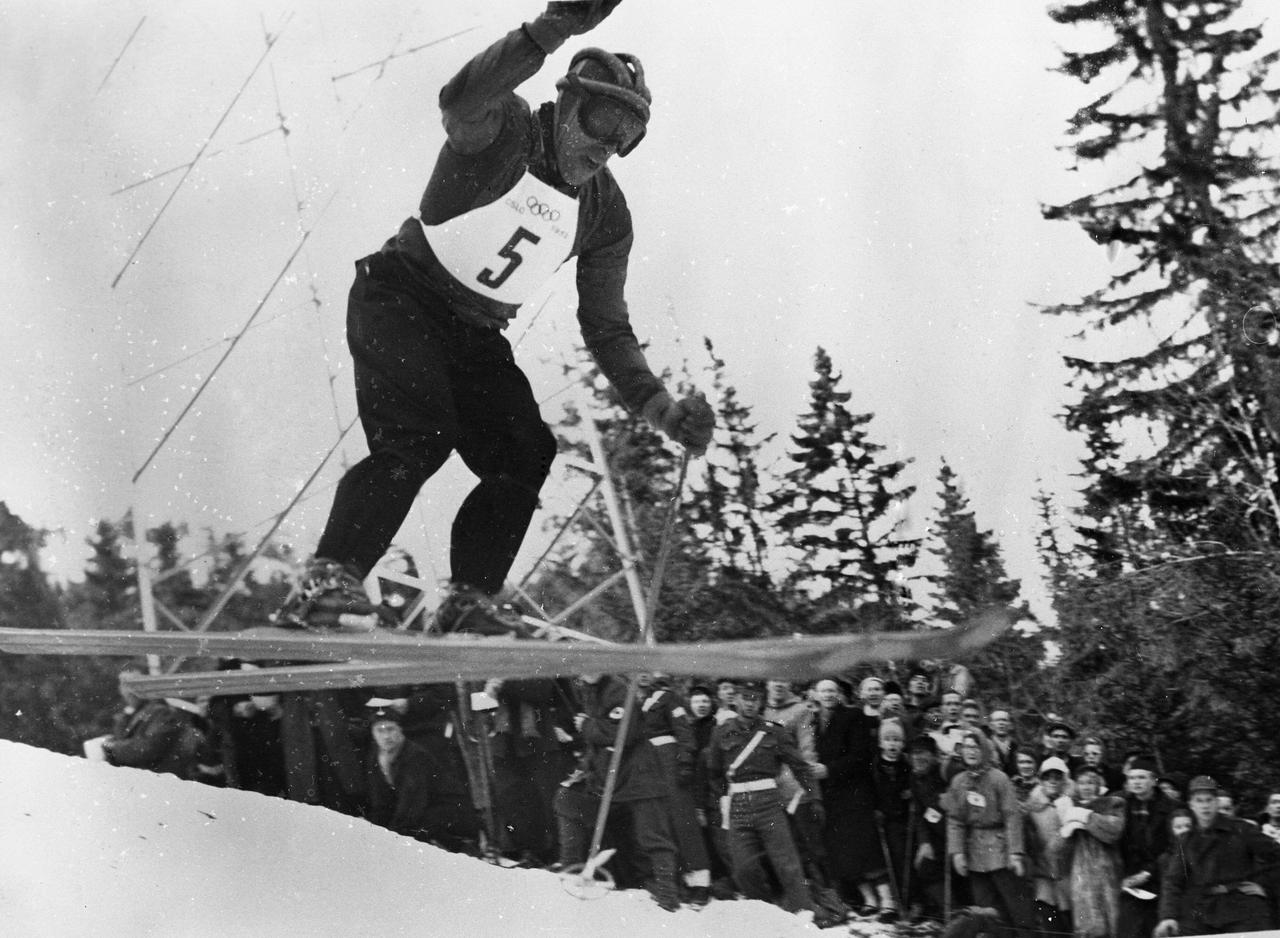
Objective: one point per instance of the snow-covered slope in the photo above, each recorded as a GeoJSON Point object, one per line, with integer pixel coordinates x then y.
{"type": "Point", "coordinates": [90, 849]}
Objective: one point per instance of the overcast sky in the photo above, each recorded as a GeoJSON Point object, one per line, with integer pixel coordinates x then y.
{"type": "Point", "coordinates": [865, 177]}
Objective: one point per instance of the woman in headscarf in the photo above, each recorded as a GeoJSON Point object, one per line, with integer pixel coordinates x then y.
{"type": "Point", "coordinates": [1093, 824]}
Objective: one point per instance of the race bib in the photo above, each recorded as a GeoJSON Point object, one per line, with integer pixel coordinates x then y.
{"type": "Point", "coordinates": [509, 248]}
{"type": "Point", "coordinates": [976, 799]}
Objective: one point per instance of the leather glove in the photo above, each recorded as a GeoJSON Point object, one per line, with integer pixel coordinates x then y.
{"type": "Point", "coordinates": [561, 20]}
{"type": "Point", "coordinates": [689, 421]}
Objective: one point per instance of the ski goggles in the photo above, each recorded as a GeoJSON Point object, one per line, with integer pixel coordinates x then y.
{"type": "Point", "coordinates": [610, 122]}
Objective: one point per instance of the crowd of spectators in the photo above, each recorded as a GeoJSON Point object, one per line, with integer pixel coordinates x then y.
{"type": "Point", "coordinates": [904, 803]}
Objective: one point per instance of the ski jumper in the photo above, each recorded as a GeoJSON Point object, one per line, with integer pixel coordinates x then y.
{"type": "Point", "coordinates": [433, 371]}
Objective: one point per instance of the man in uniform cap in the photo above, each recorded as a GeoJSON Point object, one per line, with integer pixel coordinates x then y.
{"type": "Point", "coordinates": [744, 758]}
{"type": "Point", "coordinates": [405, 791]}
{"type": "Point", "coordinates": [1211, 875]}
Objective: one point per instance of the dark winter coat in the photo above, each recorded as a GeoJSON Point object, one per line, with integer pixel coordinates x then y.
{"type": "Point", "coordinates": [846, 746]}
{"type": "Point", "coordinates": [1145, 837]}
{"type": "Point", "coordinates": [1206, 872]}
{"type": "Point", "coordinates": [639, 775]}
{"type": "Point", "coordinates": [156, 737]}
{"type": "Point", "coordinates": [410, 802]}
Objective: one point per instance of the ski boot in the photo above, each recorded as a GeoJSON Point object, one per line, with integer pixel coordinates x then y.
{"type": "Point", "coordinates": [330, 596]}
{"type": "Point", "coordinates": [468, 611]}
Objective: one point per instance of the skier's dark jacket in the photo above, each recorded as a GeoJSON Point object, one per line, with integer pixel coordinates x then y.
{"type": "Point", "coordinates": [461, 182]}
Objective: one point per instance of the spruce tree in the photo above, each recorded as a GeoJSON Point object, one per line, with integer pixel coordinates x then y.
{"type": "Point", "coordinates": [52, 701]}
{"type": "Point", "coordinates": [726, 513]}
{"type": "Point", "coordinates": [838, 512]}
{"type": "Point", "coordinates": [1187, 112]}
{"type": "Point", "coordinates": [110, 577]}
{"type": "Point", "coordinates": [973, 579]}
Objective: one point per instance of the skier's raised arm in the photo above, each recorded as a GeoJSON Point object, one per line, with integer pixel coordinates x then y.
{"type": "Point", "coordinates": [474, 102]}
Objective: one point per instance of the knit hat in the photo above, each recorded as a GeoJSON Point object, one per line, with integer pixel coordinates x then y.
{"type": "Point", "coordinates": [923, 743]}
{"type": "Point", "coordinates": [1143, 764]}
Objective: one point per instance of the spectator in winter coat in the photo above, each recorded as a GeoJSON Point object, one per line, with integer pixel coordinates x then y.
{"type": "Point", "coordinates": [254, 755]}
{"type": "Point", "coordinates": [726, 699]}
{"type": "Point", "coordinates": [531, 738]}
{"type": "Point", "coordinates": [927, 831]}
{"type": "Point", "coordinates": [1026, 775]}
{"type": "Point", "coordinates": [431, 719]}
{"type": "Point", "coordinates": [985, 839]}
{"type": "Point", "coordinates": [947, 734]}
{"type": "Point", "coordinates": [891, 788]}
{"type": "Point", "coordinates": [1144, 839]}
{"type": "Point", "coordinates": [323, 733]}
{"type": "Point", "coordinates": [802, 799]}
{"type": "Point", "coordinates": [1046, 848]}
{"type": "Point", "coordinates": [1094, 822]}
{"type": "Point", "coordinates": [1057, 739]}
{"type": "Point", "coordinates": [917, 701]}
{"type": "Point", "coordinates": [1270, 820]}
{"type": "Point", "coordinates": [1092, 753]}
{"type": "Point", "coordinates": [668, 728]}
{"type": "Point", "coordinates": [639, 790]}
{"type": "Point", "coordinates": [150, 734]}
{"type": "Point", "coordinates": [1002, 739]}
{"type": "Point", "coordinates": [702, 710]}
{"type": "Point", "coordinates": [1211, 877]}
{"type": "Point", "coordinates": [403, 794]}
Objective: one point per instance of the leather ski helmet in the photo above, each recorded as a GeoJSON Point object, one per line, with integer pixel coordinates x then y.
{"type": "Point", "coordinates": [610, 79]}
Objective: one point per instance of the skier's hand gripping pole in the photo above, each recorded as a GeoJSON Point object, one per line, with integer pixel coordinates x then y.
{"type": "Point", "coordinates": [689, 421]}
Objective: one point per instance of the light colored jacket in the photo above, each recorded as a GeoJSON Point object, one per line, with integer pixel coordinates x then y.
{"type": "Point", "coordinates": [984, 820]}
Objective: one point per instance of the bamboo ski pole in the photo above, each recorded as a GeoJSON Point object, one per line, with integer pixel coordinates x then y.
{"type": "Point", "coordinates": [629, 705]}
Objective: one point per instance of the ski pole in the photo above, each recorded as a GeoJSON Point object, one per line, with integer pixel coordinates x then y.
{"type": "Point", "coordinates": [629, 705]}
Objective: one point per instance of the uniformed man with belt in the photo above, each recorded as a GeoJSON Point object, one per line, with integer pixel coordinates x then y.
{"type": "Point", "coordinates": [1213, 874]}
{"type": "Point", "coordinates": [669, 730]}
{"type": "Point", "coordinates": [744, 758]}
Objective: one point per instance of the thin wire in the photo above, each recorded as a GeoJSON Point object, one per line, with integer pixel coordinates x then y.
{"type": "Point", "coordinates": [231, 348]}
{"type": "Point", "coordinates": [130, 382]}
{"type": "Point", "coordinates": [316, 304]}
{"type": "Point", "coordinates": [199, 153]}
{"type": "Point", "coordinates": [234, 580]}
{"type": "Point", "coordinates": [381, 64]}
{"type": "Point", "coordinates": [128, 42]}
{"type": "Point", "coordinates": [173, 169]}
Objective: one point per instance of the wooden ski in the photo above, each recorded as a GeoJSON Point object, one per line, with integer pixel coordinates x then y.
{"type": "Point", "coordinates": [387, 657]}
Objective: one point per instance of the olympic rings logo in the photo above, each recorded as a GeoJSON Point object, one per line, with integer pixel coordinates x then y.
{"type": "Point", "coordinates": [541, 209]}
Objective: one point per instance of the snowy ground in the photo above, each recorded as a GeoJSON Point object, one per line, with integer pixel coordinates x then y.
{"type": "Point", "coordinates": [91, 849]}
